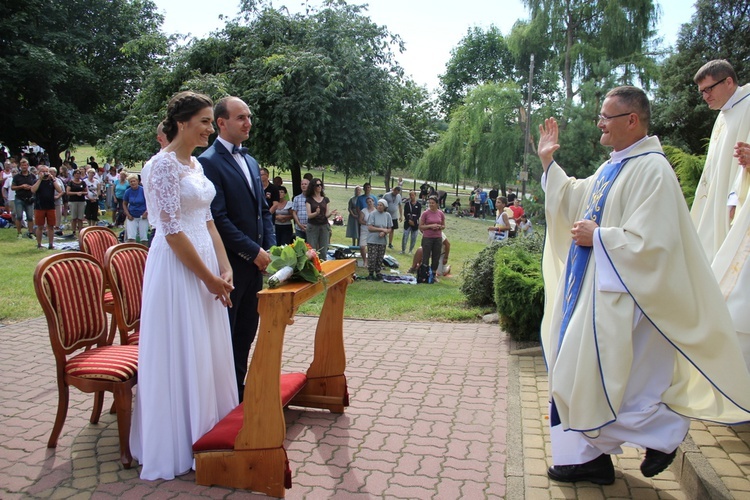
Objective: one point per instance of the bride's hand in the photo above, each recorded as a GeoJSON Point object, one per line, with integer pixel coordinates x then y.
{"type": "Point", "coordinates": [221, 289]}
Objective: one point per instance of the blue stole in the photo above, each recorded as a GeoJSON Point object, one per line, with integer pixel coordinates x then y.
{"type": "Point", "coordinates": [578, 256]}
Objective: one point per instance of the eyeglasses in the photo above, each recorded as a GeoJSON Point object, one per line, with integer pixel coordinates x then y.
{"type": "Point", "coordinates": [710, 88]}
{"type": "Point", "coordinates": [318, 185]}
{"type": "Point", "coordinates": [605, 118]}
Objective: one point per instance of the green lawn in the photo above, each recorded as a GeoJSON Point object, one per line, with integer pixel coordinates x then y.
{"type": "Point", "coordinates": [439, 302]}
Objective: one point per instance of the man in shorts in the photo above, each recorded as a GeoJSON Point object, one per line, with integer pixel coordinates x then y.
{"type": "Point", "coordinates": [44, 190]}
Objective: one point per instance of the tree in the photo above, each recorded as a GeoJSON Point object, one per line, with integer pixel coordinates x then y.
{"type": "Point", "coordinates": [322, 86]}
{"type": "Point", "coordinates": [480, 57]}
{"type": "Point", "coordinates": [134, 140]}
{"type": "Point", "coordinates": [717, 30]}
{"type": "Point", "coordinates": [592, 39]}
{"type": "Point", "coordinates": [484, 140]}
{"type": "Point", "coordinates": [409, 128]}
{"type": "Point", "coordinates": [688, 169]}
{"type": "Point", "coordinates": [67, 65]}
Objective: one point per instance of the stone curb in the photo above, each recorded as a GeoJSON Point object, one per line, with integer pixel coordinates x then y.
{"type": "Point", "coordinates": [697, 478]}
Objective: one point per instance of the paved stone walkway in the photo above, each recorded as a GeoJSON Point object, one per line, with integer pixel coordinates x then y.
{"type": "Point", "coordinates": [712, 463]}
{"type": "Point", "coordinates": [427, 420]}
{"type": "Point", "coordinates": [443, 411]}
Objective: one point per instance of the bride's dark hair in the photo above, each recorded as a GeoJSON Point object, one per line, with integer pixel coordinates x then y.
{"type": "Point", "coordinates": [181, 108]}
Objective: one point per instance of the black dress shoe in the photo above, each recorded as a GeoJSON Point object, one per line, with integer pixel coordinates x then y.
{"type": "Point", "coordinates": [598, 471]}
{"type": "Point", "coordinates": [656, 461]}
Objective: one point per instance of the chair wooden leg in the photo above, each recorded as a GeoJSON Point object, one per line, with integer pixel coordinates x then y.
{"type": "Point", "coordinates": [124, 403]}
{"type": "Point", "coordinates": [62, 412]}
{"type": "Point", "coordinates": [112, 329]}
{"type": "Point", "coordinates": [97, 410]}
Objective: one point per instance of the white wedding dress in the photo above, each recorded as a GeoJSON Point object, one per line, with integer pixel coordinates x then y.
{"type": "Point", "coordinates": [186, 380]}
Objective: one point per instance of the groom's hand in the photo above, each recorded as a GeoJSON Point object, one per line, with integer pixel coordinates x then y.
{"type": "Point", "coordinates": [262, 260]}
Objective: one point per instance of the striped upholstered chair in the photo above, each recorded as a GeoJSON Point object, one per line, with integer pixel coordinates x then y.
{"type": "Point", "coordinates": [124, 265]}
{"type": "Point", "coordinates": [95, 240]}
{"type": "Point", "coordinates": [69, 287]}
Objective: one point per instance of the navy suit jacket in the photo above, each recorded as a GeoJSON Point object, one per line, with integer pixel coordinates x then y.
{"type": "Point", "coordinates": [241, 217]}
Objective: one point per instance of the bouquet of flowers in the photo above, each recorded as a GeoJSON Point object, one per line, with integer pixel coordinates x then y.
{"type": "Point", "coordinates": [298, 261]}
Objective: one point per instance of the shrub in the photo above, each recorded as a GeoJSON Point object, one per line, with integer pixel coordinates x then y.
{"type": "Point", "coordinates": [478, 274]}
{"type": "Point", "coordinates": [477, 277]}
{"type": "Point", "coordinates": [519, 292]}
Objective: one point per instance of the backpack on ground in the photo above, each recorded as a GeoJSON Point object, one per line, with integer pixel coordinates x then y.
{"type": "Point", "coordinates": [425, 274]}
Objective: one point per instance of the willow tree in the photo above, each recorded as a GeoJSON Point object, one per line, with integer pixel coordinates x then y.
{"type": "Point", "coordinates": [590, 39]}
{"type": "Point", "coordinates": [484, 139]}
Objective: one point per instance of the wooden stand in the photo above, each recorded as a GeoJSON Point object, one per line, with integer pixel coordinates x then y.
{"type": "Point", "coordinates": [256, 459]}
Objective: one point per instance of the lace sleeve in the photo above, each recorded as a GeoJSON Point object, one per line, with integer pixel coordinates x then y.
{"type": "Point", "coordinates": [164, 199]}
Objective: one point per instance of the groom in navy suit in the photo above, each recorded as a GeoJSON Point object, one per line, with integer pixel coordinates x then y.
{"type": "Point", "coordinates": [241, 215]}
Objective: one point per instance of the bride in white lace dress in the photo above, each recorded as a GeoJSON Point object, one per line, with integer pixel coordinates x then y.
{"type": "Point", "coordinates": [186, 380]}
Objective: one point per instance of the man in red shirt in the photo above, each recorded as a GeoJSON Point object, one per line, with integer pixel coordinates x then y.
{"type": "Point", "coordinates": [517, 209]}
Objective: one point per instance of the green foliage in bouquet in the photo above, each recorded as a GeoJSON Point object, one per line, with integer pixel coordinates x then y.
{"type": "Point", "coordinates": [299, 257]}
{"type": "Point", "coordinates": [519, 292]}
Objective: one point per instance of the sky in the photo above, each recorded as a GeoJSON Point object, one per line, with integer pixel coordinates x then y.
{"type": "Point", "coordinates": [430, 29]}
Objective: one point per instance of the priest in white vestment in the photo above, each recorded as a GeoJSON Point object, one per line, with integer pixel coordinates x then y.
{"type": "Point", "coordinates": [721, 194]}
{"type": "Point", "coordinates": [636, 333]}
{"type": "Point", "coordinates": [717, 84]}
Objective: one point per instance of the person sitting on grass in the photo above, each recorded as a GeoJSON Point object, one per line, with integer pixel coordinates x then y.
{"type": "Point", "coordinates": [443, 268]}
{"type": "Point", "coordinates": [524, 224]}
{"type": "Point", "coordinates": [456, 205]}
{"type": "Point", "coordinates": [379, 226]}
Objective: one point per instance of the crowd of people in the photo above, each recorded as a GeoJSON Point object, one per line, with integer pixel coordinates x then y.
{"type": "Point", "coordinates": [45, 200]}
{"type": "Point", "coordinates": [86, 194]}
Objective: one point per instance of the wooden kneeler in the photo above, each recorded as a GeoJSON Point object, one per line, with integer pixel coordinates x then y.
{"type": "Point", "coordinates": [246, 449]}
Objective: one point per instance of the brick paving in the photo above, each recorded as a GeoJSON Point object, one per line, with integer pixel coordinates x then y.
{"type": "Point", "coordinates": [427, 420]}
{"type": "Point", "coordinates": [443, 411]}
{"type": "Point", "coordinates": [712, 463]}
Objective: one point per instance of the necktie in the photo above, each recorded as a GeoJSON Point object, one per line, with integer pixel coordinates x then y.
{"type": "Point", "coordinates": [239, 150]}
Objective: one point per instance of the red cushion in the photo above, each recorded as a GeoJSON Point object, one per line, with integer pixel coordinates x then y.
{"type": "Point", "coordinates": [222, 436]}
{"type": "Point", "coordinates": [116, 363]}
{"type": "Point", "coordinates": [108, 299]}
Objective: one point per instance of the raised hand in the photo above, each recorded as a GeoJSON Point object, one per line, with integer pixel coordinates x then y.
{"type": "Point", "coordinates": [548, 134]}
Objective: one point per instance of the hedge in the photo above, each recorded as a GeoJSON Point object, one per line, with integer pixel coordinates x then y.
{"type": "Point", "coordinates": [519, 292]}
{"type": "Point", "coordinates": [478, 275]}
